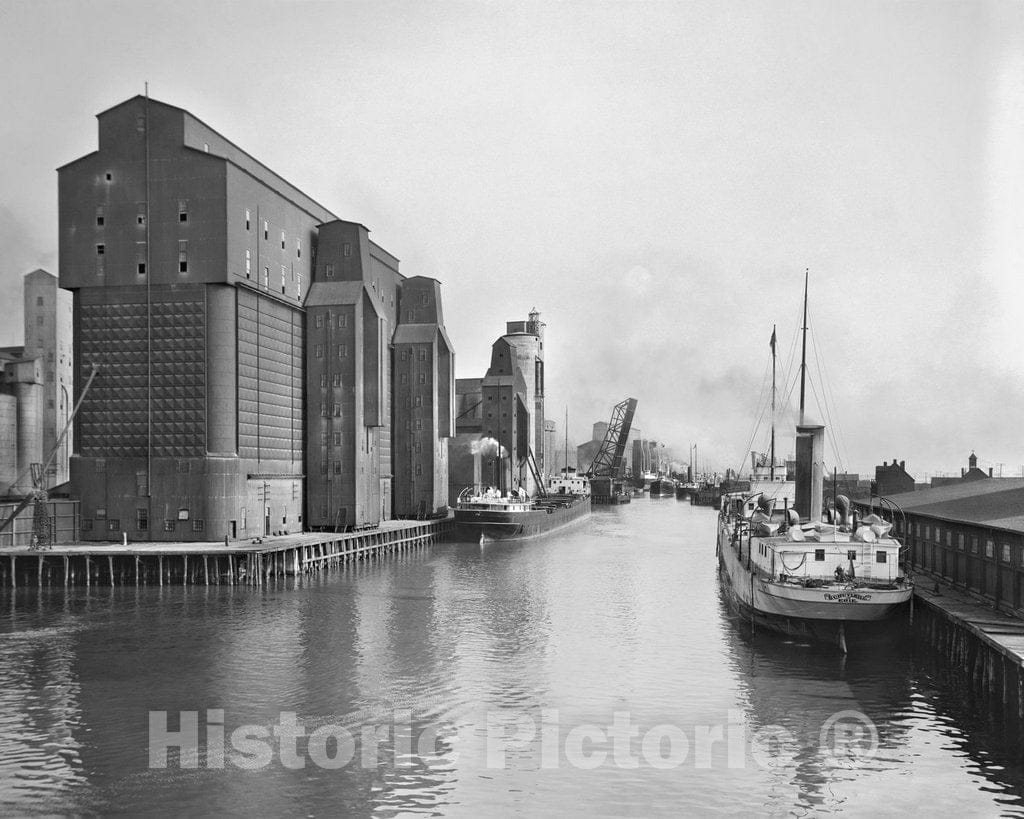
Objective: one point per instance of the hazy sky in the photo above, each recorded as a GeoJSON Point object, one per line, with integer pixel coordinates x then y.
{"type": "Point", "coordinates": [653, 177]}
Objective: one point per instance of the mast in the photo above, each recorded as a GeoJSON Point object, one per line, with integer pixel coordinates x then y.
{"type": "Point", "coordinates": [566, 472]}
{"type": "Point", "coordinates": [771, 472]}
{"type": "Point", "coordinates": [803, 352]}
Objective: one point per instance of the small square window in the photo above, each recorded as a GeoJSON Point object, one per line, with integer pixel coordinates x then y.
{"type": "Point", "coordinates": [423, 355]}
{"type": "Point", "coordinates": [282, 240]}
{"type": "Point", "coordinates": [86, 524]}
{"type": "Point", "coordinates": [266, 230]}
{"type": "Point", "coordinates": [114, 525]}
{"type": "Point", "coordinates": [109, 176]}
{"type": "Point", "coordinates": [880, 557]}
{"type": "Point", "coordinates": [182, 265]}
{"type": "Point", "coordinates": [346, 249]}
{"type": "Point", "coordinates": [170, 525]}
{"type": "Point", "coordinates": [319, 320]}
{"type": "Point", "coordinates": [142, 268]}
{"type": "Point", "coordinates": [247, 220]}
{"type": "Point", "coordinates": [337, 410]}
{"type": "Point", "coordinates": [319, 350]}
{"type": "Point", "coordinates": [182, 210]}
{"type": "Point", "coordinates": [323, 379]}
{"type": "Point", "coordinates": [851, 554]}
{"type": "Point", "coordinates": [337, 467]}
{"type": "Point", "coordinates": [142, 520]}
{"type": "Point", "coordinates": [100, 219]}
{"type": "Point", "coordinates": [329, 271]}
{"type": "Point", "coordinates": [198, 525]}
{"type": "Point", "coordinates": [39, 301]}
{"type": "Point", "coordinates": [101, 249]}
{"type": "Point", "coordinates": [819, 555]}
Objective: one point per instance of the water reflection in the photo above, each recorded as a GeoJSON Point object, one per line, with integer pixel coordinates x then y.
{"type": "Point", "coordinates": [615, 623]}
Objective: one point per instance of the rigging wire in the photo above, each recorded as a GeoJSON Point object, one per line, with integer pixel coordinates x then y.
{"type": "Point", "coordinates": [829, 393]}
{"type": "Point", "coordinates": [827, 404]}
{"type": "Point", "coordinates": [762, 402]}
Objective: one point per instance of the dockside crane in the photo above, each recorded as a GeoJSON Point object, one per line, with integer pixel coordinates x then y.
{"type": "Point", "coordinates": [605, 471]}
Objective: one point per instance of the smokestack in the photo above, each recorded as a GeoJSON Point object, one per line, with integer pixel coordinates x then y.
{"type": "Point", "coordinates": [810, 470]}
{"type": "Point", "coordinates": [477, 468]}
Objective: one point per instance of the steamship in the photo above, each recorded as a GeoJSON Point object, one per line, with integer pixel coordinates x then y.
{"type": "Point", "coordinates": [488, 515]}
{"type": "Point", "coordinates": [824, 580]}
{"type": "Point", "coordinates": [663, 487]}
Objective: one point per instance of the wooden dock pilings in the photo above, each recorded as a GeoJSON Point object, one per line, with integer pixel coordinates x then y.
{"type": "Point", "coordinates": [986, 646]}
{"type": "Point", "coordinates": [233, 564]}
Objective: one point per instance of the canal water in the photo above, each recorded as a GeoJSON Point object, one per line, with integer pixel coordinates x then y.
{"type": "Point", "coordinates": [597, 672]}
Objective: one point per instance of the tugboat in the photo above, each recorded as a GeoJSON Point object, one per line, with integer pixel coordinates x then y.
{"type": "Point", "coordinates": [823, 580]}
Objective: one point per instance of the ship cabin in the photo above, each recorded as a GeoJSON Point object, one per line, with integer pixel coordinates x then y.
{"type": "Point", "coordinates": [820, 553]}
{"type": "Point", "coordinates": [490, 500]}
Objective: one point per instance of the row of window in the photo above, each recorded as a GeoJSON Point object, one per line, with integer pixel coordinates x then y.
{"type": "Point", "coordinates": [140, 257]}
{"type": "Point", "coordinates": [296, 276]}
{"type": "Point", "coordinates": [342, 350]}
{"type": "Point", "coordinates": [852, 554]}
{"type": "Point", "coordinates": [342, 320]}
{"type": "Point", "coordinates": [972, 544]}
{"type": "Point", "coordinates": [140, 213]}
{"type": "Point", "coordinates": [422, 354]}
{"type": "Point", "coordinates": [142, 523]}
{"type": "Point", "coordinates": [284, 236]}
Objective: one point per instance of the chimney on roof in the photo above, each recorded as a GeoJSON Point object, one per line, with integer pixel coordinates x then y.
{"type": "Point", "coordinates": [962, 471]}
{"type": "Point", "coordinates": [903, 464]}
{"type": "Point", "coordinates": [990, 471]}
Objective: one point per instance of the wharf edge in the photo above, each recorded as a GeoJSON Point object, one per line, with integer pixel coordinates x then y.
{"type": "Point", "coordinates": [242, 563]}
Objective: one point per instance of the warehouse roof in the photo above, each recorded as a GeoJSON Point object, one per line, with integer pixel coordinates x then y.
{"type": "Point", "coordinates": [996, 502]}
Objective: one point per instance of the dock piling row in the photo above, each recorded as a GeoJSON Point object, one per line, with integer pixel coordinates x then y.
{"type": "Point", "coordinates": [244, 564]}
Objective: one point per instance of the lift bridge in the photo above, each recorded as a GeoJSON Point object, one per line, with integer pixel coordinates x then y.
{"type": "Point", "coordinates": [605, 473]}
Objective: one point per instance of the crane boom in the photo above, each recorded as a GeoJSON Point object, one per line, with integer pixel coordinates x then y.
{"type": "Point", "coordinates": [608, 461]}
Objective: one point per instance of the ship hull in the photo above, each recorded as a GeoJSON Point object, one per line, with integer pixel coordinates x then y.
{"type": "Point", "coordinates": [828, 613]}
{"type": "Point", "coordinates": [489, 526]}
{"type": "Point", "coordinates": [662, 489]}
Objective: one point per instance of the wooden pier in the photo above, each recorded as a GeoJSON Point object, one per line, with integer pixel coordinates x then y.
{"type": "Point", "coordinates": [216, 563]}
{"type": "Point", "coordinates": [970, 635]}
